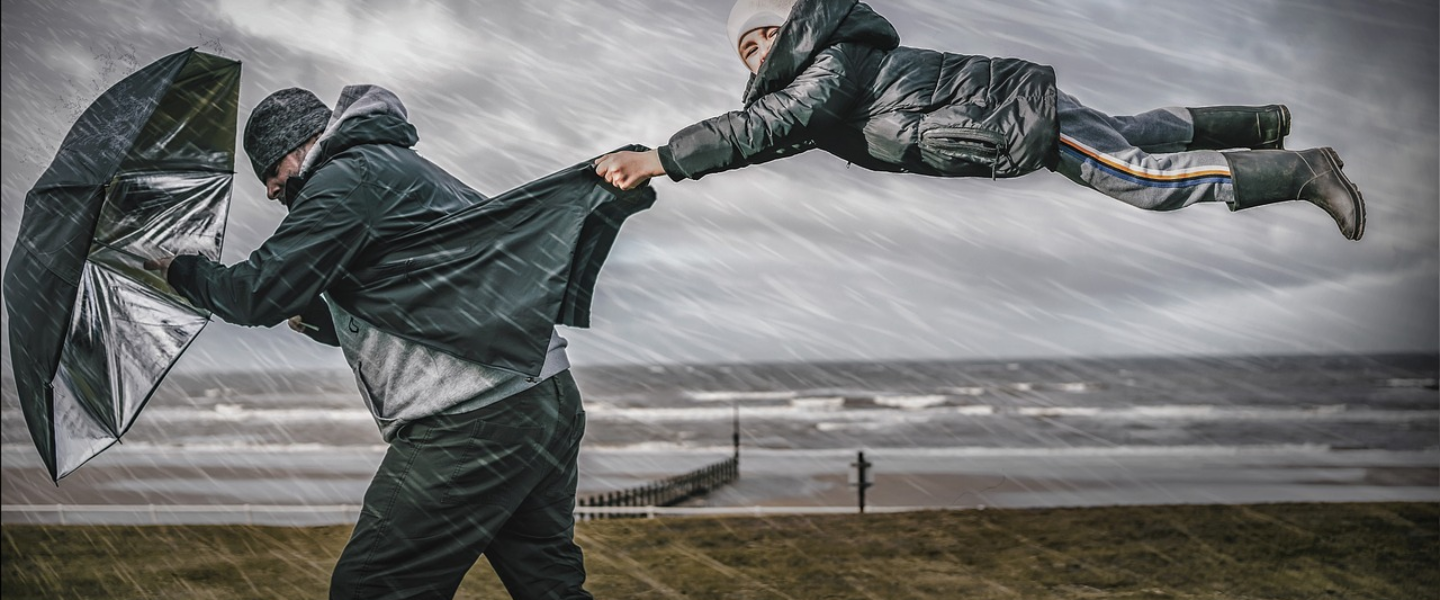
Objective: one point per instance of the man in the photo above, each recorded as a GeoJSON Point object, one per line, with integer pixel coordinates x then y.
{"type": "Point", "coordinates": [444, 302]}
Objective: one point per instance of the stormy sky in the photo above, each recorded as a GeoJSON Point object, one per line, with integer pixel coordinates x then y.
{"type": "Point", "coordinates": [808, 258]}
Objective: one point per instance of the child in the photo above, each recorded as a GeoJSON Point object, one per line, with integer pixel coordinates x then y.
{"type": "Point", "coordinates": [831, 74]}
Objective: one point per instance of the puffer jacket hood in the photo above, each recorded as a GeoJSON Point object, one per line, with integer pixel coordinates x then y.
{"type": "Point", "coordinates": [813, 26]}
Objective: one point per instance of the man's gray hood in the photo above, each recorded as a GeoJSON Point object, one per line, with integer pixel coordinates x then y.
{"type": "Point", "coordinates": [363, 114]}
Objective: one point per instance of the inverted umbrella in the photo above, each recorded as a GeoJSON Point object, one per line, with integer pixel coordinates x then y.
{"type": "Point", "coordinates": [145, 172]}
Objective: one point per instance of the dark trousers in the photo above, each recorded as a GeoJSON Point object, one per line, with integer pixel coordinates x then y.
{"type": "Point", "coordinates": [1140, 160]}
{"type": "Point", "coordinates": [498, 481]}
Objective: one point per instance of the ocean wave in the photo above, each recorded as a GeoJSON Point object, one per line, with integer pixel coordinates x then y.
{"type": "Point", "coordinates": [1207, 412]}
{"type": "Point", "coordinates": [825, 403]}
{"type": "Point", "coordinates": [739, 396]}
{"type": "Point", "coordinates": [658, 447]}
{"type": "Point", "coordinates": [241, 413]}
{"type": "Point", "coordinates": [881, 396]}
{"type": "Point", "coordinates": [912, 402]}
{"type": "Point", "coordinates": [212, 448]}
{"type": "Point", "coordinates": [894, 409]}
{"type": "Point", "coordinates": [977, 451]}
{"type": "Point", "coordinates": [822, 409]}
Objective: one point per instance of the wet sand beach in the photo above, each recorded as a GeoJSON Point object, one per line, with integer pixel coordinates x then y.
{"type": "Point", "coordinates": [903, 478]}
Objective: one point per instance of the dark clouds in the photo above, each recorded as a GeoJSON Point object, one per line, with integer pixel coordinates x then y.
{"type": "Point", "coordinates": [808, 259]}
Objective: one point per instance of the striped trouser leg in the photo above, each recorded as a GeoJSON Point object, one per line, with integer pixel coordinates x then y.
{"type": "Point", "coordinates": [1106, 154]}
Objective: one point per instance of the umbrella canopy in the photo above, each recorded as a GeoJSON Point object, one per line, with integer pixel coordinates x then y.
{"type": "Point", "coordinates": [145, 172]}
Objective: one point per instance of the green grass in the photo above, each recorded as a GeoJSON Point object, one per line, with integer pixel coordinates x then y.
{"type": "Point", "coordinates": [1279, 551]}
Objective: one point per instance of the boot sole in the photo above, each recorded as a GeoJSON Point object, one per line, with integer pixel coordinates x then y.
{"type": "Point", "coordinates": [1355, 195]}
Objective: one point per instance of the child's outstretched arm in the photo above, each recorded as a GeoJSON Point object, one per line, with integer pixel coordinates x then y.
{"type": "Point", "coordinates": [819, 97]}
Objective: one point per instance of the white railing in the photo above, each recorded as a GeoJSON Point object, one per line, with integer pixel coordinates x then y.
{"type": "Point", "coordinates": [302, 514]}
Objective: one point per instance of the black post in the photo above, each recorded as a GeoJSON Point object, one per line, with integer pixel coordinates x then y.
{"type": "Point", "coordinates": [735, 431]}
{"type": "Point", "coordinates": [861, 482]}
{"type": "Point", "coordinates": [861, 466]}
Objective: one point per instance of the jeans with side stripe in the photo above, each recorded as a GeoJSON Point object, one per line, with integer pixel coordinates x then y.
{"type": "Point", "coordinates": [498, 481]}
{"type": "Point", "coordinates": [1141, 159]}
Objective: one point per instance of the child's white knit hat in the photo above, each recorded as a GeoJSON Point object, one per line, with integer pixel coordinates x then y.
{"type": "Point", "coordinates": [752, 14]}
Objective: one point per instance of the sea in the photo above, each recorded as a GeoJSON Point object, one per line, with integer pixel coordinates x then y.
{"type": "Point", "coordinates": [299, 448]}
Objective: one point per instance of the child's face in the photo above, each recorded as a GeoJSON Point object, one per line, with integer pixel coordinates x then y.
{"type": "Point", "coordinates": [755, 46]}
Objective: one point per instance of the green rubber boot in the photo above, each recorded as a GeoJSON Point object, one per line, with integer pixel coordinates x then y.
{"type": "Point", "coordinates": [1254, 127]}
{"type": "Point", "coordinates": [1268, 176]}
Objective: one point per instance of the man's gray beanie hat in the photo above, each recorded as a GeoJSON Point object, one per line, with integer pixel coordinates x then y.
{"type": "Point", "coordinates": [281, 123]}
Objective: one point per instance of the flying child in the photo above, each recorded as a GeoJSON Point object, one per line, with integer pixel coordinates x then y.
{"type": "Point", "coordinates": [831, 74]}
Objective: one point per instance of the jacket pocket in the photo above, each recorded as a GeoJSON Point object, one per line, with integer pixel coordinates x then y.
{"type": "Point", "coordinates": [962, 151]}
{"type": "Point", "coordinates": [488, 462]}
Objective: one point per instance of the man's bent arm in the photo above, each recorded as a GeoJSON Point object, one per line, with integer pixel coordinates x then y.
{"type": "Point", "coordinates": [327, 227]}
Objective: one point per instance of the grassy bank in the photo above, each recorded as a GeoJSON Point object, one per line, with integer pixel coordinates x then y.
{"type": "Point", "coordinates": [1388, 551]}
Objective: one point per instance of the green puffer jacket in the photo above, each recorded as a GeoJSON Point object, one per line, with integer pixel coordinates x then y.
{"type": "Point", "coordinates": [837, 79]}
{"type": "Point", "coordinates": [392, 238]}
